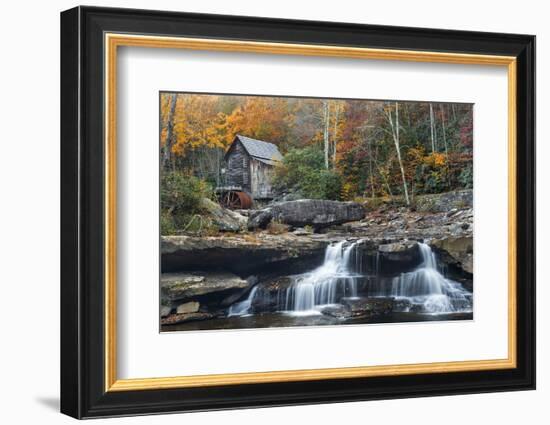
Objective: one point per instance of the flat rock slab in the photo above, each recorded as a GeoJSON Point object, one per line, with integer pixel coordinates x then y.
{"type": "Point", "coordinates": [174, 319]}
{"type": "Point", "coordinates": [176, 286]}
{"type": "Point", "coordinates": [244, 255]}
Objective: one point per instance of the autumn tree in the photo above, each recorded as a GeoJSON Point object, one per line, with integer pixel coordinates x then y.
{"type": "Point", "coordinates": [369, 148]}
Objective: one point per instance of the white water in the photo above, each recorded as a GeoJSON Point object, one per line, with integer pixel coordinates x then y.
{"type": "Point", "coordinates": [326, 284]}
{"type": "Point", "coordinates": [243, 307]}
{"type": "Point", "coordinates": [425, 289]}
{"type": "Point", "coordinates": [428, 288]}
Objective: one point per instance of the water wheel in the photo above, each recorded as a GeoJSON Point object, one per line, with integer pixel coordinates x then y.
{"type": "Point", "coordinates": [235, 200]}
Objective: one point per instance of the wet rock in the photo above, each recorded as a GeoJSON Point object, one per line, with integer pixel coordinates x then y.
{"type": "Point", "coordinates": [268, 293]}
{"type": "Point", "coordinates": [188, 307]}
{"type": "Point", "coordinates": [360, 308]}
{"type": "Point", "coordinates": [314, 212]}
{"type": "Point", "coordinates": [398, 257]}
{"type": "Point", "coordinates": [399, 248]}
{"type": "Point", "coordinates": [231, 299]}
{"type": "Point", "coordinates": [369, 306]}
{"type": "Point", "coordinates": [174, 319]}
{"type": "Point", "coordinates": [402, 305]}
{"type": "Point", "coordinates": [386, 259]}
{"type": "Point", "coordinates": [337, 310]}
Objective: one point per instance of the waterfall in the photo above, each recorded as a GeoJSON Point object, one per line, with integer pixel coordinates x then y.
{"type": "Point", "coordinates": [243, 307]}
{"type": "Point", "coordinates": [328, 283]}
{"type": "Point", "coordinates": [423, 290]}
{"type": "Point", "coordinates": [427, 288]}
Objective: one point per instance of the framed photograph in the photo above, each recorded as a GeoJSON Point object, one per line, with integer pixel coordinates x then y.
{"type": "Point", "coordinates": [261, 212]}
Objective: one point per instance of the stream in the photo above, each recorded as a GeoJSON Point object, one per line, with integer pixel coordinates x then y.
{"type": "Point", "coordinates": [343, 291]}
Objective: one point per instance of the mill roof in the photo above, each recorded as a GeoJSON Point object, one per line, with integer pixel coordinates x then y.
{"type": "Point", "coordinates": [268, 152]}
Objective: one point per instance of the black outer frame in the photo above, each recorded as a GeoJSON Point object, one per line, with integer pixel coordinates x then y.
{"type": "Point", "coordinates": [82, 212]}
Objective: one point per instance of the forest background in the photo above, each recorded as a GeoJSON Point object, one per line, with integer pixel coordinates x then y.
{"type": "Point", "coordinates": [339, 149]}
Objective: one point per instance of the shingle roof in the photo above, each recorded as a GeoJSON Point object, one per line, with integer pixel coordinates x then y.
{"type": "Point", "coordinates": [260, 149]}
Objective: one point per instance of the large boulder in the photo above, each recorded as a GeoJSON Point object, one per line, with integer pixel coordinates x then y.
{"type": "Point", "coordinates": [459, 249]}
{"type": "Point", "coordinates": [223, 218]}
{"type": "Point", "coordinates": [397, 257]}
{"type": "Point", "coordinates": [307, 212]}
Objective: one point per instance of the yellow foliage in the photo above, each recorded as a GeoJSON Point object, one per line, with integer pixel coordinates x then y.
{"type": "Point", "coordinates": [196, 123]}
{"type": "Point", "coordinates": [348, 191]}
{"type": "Point", "coordinates": [436, 159]}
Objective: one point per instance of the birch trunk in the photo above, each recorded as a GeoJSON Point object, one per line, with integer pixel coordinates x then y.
{"type": "Point", "coordinates": [169, 132]}
{"type": "Point", "coordinates": [395, 134]}
{"type": "Point", "coordinates": [444, 130]}
{"type": "Point", "coordinates": [325, 131]}
{"type": "Point", "coordinates": [432, 127]}
{"type": "Point", "coordinates": [334, 134]}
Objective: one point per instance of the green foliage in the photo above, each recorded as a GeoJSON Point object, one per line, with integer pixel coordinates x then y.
{"type": "Point", "coordinates": [303, 171]}
{"type": "Point", "coordinates": [466, 176]}
{"type": "Point", "coordinates": [167, 226]}
{"type": "Point", "coordinates": [181, 197]}
{"type": "Point", "coordinates": [181, 193]}
{"type": "Point", "coordinates": [433, 152]}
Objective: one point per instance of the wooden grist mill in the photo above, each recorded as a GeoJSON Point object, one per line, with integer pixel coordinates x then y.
{"type": "Point", "coordinates": [248, 172]}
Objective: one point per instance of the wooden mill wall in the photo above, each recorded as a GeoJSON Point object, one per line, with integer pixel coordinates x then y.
{"type": "Point", "coordinates": [261, 175]}
{"type": "Point", "coordinates": [238, 164]}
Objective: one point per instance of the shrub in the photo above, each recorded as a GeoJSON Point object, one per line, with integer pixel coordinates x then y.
{"type": "Point", "coordinates": [181, 197]}
{"type": "Point", "coordinates": [466, 176]}
{"type": "Point", "coordinates": [275, 227]}
{"type": "Point", "coordinates": [181, 193]}
{"type": "Point", "coordinates": [303, 171]}
{"type": "Point", "coordinates": [167, 226]}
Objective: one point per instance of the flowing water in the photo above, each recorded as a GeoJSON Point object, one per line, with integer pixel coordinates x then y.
{"type": "Point", "coordinates": [243, 307]}
{"type": "Point", "coordinates": [423, 290]}
{"type": "Point", "coordinates": [326, 284]}
{"type": "Point", "coordinates": [428, 288]}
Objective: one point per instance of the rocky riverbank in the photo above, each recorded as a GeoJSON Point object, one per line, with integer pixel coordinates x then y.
{"type": "Point", "coordinates": [203, 276]}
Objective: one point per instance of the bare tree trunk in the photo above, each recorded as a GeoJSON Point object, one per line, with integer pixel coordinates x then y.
{"type": "Point", "coordinates": [370, 168]}
{"type": "Point", "coordinates": [169, 133]}
{"type": "Point", "coordinates": [432, 127]}
{"type": "Point", "coordinates": [325, 131]}
{"type": "Point", "coordinates": [395, 134]}
{"type": "Point", "coordinates": [444, 130]}
{"type": "Point", "coordinates": [334, 134]}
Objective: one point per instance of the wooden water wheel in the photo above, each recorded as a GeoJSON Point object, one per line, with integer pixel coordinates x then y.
{"type": "Point", "coordinates": [235, 200]}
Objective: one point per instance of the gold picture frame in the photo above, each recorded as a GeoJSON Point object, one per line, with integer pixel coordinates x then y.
{"type": "Point", "coordinates": [91, 40]}
{"type": "Point", "coordinates": [114, 41]}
